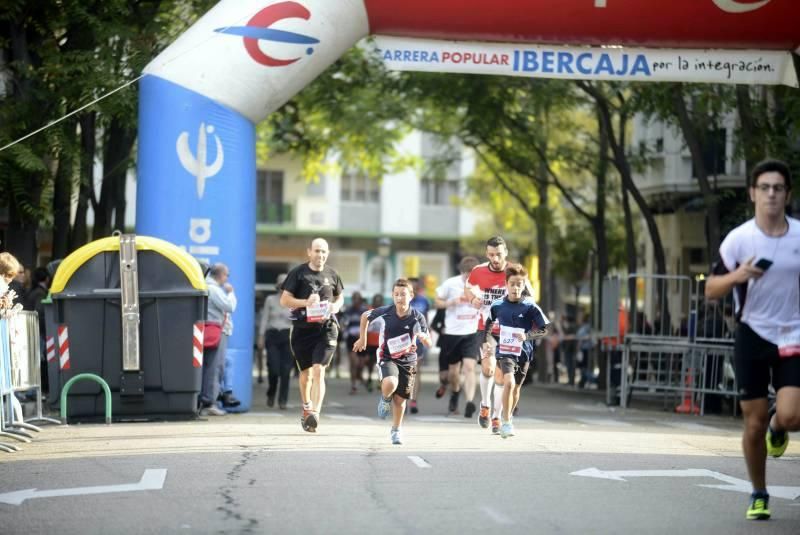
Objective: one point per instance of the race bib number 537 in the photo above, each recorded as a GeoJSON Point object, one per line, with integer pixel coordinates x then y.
{"type": "Point", "coordinates": [510, 344]}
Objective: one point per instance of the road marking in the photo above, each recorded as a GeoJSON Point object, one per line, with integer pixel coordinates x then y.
{"type": "Point", "coordinates": [496, 516]}
{"type": "Point", "coordinates": [335, 405]}
{"type": "Point", "coordinates": [733, 483]}
{"type": "Point", "coordinates": [348, 417]}
{"type": "Point", "coordinates": [152, 479]}
{"type": "Point", "coordinates": [604, 421]}
{"type": "Point", "coordinates": [689, 426]}
{"type": "Point", "coordinates": [419, 461]}
{"type": "Point", "coordinates": [598, 407]}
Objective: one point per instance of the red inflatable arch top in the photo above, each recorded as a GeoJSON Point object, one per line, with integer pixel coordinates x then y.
{"type": "Point", "coordinates": [728, 24]}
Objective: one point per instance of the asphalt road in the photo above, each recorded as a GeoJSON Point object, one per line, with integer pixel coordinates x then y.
{"type": "Point", "coordinates": [575, 466]}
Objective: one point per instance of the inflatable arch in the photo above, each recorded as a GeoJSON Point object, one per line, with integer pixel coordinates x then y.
{"type": "Point", "coordinates": [201, 98]}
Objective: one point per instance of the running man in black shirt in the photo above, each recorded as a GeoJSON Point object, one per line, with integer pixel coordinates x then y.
{"type": "Point", "coordinates": [314, 293]}
{"type": "Point", "coordinates": [401, 327]}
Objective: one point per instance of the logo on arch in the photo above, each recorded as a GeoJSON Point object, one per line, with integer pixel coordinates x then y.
{"type": "Point", "coordinates": [259, 29]}
{"type": "Point", "coordinates": [738, 6]}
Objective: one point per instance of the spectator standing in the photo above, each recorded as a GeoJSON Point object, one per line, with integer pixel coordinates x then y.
{"type": "Point", "coordinates": [273, 333]}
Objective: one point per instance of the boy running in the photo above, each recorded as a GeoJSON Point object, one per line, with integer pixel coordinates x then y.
{"type": "Point", "coordinates": [401, 327]}
{"type": "Point", "coordinates": [520, 321]}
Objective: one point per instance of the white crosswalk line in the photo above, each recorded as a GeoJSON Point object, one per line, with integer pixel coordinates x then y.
{"type": "Point", "coordinates": [604, 421]}
{"type": "Point", "coordinates": [691, 426]}
{"type": "Point", "coordinates": [419, 461]}
{"type": "Point", "coordinates": [496, 516]}
{"type": "Point", "coordinates": [597, 407]}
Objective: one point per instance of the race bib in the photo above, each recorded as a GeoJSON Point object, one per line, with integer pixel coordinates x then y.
{"type": "Point", "coordinates": [789, 341]}
{"type": "Point", "coordinates": [509, 343]}
{"type": "Point", "coordinates": [399, 345]}
{"type": "Point", "coordinates": [318, 313]}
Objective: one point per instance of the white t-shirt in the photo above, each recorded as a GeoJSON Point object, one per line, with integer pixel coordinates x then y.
{"type": "Point", "coordinates": [771, 304]}
{"type": "Point", "coordinates": [462, 318]}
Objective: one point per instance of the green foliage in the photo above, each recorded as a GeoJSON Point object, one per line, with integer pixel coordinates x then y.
{"type": "Point", "coordinates": [61, 55]}
{"type": "Point", "coordinates": [354, 111]}
{"type": "Point", "coordinates": [572, 248]}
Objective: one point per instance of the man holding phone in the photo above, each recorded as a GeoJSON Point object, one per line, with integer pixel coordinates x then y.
{"type": "Point", "coordinates": [760, 262]}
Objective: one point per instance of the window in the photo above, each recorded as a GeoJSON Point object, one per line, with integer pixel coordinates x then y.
{"type": "Point", "coordinates": [714, 152]}
{"type": "Point", "coordinates": [269, 198]}
{"type": "Point", "coordinates": [438, 192]}
{"type": "Point", "coordinates": [360, 188]}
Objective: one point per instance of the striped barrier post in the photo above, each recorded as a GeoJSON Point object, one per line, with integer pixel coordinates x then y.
{"type": "Point", "coordinates": [197, 344]}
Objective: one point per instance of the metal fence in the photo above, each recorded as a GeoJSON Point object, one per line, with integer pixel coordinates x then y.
{"type": "Point", "coordinates": [677, 345]}
{"type": "Point", "coordinates": [20, 358]}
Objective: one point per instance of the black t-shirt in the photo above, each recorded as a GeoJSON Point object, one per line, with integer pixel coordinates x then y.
{"type": "Point", "coordinates": [303, 281]}
{"type": "Point", "coordinates": [398, 334]}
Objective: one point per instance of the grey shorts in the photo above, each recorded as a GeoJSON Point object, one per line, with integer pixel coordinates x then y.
{"type": "Point", "coordinates": [511, 365]}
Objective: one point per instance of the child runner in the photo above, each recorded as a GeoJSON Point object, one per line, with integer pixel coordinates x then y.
{"type": "Point", "coordinates": [520, 321]}
{"type": "Point", "coordinates": [401, 327]}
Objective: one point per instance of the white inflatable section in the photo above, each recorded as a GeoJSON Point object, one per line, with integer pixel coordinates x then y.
{"type": "Point", "coordinates": [212, 60]}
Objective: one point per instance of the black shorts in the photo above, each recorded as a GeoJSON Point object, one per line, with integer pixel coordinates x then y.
{"type": "Point", "coordinates": [456, 347]}
{"type": "Point", "coordinates": [754, 358]}
{"type": "Point", "coordinates": [406, 375]}
{"type": "Point", "coordinates": [351, 340]}
{"type": "Point", "coordinates": [314, 345]}
{"type": "Point", "coordinates": [511, 365]}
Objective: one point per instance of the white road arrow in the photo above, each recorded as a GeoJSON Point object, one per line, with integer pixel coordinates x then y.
{"type": "Point", "coordinates": [734, 484]}
{"type": "Point", "coordinates": [152, 479]}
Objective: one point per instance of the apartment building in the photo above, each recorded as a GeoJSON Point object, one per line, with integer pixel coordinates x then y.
{"type": "Point", "coordinates": [673, 193]}
{"type": "Point", "coordinates": [403, 225]}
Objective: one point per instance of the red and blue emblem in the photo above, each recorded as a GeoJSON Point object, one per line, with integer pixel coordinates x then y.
{"type": "Point", "coordinates": [259, 28]}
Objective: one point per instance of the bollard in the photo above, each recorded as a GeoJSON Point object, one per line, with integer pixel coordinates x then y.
{"type": "Point", "coordinates": [93, 377]}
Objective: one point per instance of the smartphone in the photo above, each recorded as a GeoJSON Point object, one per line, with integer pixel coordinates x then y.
{"type": "Point", "coordinates": [763, 264]}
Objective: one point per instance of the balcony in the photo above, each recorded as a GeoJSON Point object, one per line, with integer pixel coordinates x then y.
{"type": "Point", "coordinates": [274, 214]}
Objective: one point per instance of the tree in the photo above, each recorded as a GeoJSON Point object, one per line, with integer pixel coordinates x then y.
{"type": "Point", "coordinates": [61, 55]}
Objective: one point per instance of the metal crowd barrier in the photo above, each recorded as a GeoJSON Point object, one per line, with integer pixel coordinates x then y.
{"type": "Point", "coordinates": [20, 361]}
{"type": "Point", "coordinates": [678, 346]}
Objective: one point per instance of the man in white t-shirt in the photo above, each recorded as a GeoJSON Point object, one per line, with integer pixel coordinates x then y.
{"type": "Point", "coordinates": [459, 342]}
{"type": "Point", "coordinates": [760, 262]}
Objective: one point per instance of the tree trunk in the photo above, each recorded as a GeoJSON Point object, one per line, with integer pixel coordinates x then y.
{"type": "Point", "coordinates": [753, 145]}
{"type": "Point", "coordinates": [695, 144]}
{"type": "Point", "coordinates": [599, 223]}
{"type": "Point", "coordinates": [630, 248]}
{"type": "Point", "coordinates": [599, 220]}
{"type": "Point", "coordinates": [542, 232]}
{"type": "Point", "coordinates": [80, 232]}
{"type": "Point", "coordinates": [622, 165]}
{"type": "Point", "coordinates": [116, 157]}
{"type": "Point", "coordinates": [62, 197]}
{"type": "Point", "coordinates": [21, 236]}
